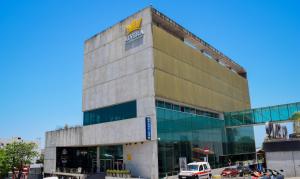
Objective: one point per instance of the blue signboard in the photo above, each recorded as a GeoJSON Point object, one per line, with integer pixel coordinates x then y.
{"type": "Point", "coordinates": [148, 128]}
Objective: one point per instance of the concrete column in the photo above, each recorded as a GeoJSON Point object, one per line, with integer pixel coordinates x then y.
{"type": "Point", "coordinates": [98, 159]}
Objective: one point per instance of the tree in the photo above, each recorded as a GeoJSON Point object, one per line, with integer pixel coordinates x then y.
{"type": "Point", "coordinates": [40, 159]}
{"type": "Point", "coordinates": [296, 116]}
{"type": "Point", "coordinates": [296, 119]}
{"type": "Point", "coordinates": [4, 168]}
{"type": "Point", "coordinates": [19, 154]}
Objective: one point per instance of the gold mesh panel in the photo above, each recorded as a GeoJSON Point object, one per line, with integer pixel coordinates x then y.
{"type": "Point", "coordinates": [185, 75]}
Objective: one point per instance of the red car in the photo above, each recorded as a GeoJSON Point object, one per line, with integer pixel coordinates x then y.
{"type": "Point", "coordinates": [230, 172]}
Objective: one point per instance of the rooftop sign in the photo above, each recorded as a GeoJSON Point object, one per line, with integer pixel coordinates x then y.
{"type": "Point", "coordinates": [134, 32]}
{"type": "Point", "coordinates": [134, 25]}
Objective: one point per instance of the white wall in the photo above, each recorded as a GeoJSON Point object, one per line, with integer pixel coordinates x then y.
{"type": "Point", "coordinates": [143, 159]}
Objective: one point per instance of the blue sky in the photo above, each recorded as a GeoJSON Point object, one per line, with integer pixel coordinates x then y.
{"type": "Point", "coordinates": [41, 52]}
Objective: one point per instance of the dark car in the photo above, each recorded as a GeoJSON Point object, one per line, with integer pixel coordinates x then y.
{"type": "Point", "coordinates": [244, 170]}
{"type": "Point", "coordinates": [230, 171]}
{"type": "Point", "coordinates": [272, 174]}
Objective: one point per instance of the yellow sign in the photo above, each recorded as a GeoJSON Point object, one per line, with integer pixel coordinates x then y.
{"type": "Point", "coordinates": [129, 157]}
{"type": "Point", "coordinates": [134, 25]}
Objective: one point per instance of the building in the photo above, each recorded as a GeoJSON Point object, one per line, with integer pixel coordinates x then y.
{"type": "Point", "coordinates": [154, 94]}
{"type": "Point", "coordinates": [283, 155]}
{"type": "Point", "coordinates": [281, 152]}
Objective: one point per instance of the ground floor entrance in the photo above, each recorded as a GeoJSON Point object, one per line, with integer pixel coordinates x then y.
{"type": "Point", "coordinates": [76, 160]}
{"type": "Point", "coordinates": [111, 158]}
{"type": "Point", "coordinates": [87, 160]}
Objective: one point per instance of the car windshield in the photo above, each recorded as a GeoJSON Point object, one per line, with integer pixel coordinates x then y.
{"type": "Point", "coordinates": [192, 167]}
{"type": "Point", "coordinates": [276, 172]}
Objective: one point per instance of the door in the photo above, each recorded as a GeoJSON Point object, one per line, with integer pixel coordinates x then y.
{"type": "Point", "coordinates": [106, 164]}
{"type": "Point", "coordinates": [202, 173]}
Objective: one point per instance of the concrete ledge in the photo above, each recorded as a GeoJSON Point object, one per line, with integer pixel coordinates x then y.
{"type": "Point", "coordinates": [282, 145]}
{"type": "Point", "coordinates": [79, 176]}
{"type": "Point", "coordinates": [109, 177]}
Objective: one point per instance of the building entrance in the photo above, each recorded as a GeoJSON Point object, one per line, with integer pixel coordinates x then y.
{"type": "Point", "coordinates": [111, 158]}
{"type": "Point", "coordinates": [106, 164]}
{"type": "Point", "coordinates": [76, 159]}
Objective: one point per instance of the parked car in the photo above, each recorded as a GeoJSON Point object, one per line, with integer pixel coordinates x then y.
{"type": "Point", "coordinates": [272, 174]}
{"type": "Point", "coordinates": [199, 170]}
{"type": "Point", "coordinates": [244, 170]}
{"type": "Point", "coordinates": [230, 171]}
{"type": "Point", "coordinates": [257, 175]}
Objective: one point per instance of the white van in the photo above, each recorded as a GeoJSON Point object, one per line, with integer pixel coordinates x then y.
{"type": "Point", "coordinates": [197, 170]}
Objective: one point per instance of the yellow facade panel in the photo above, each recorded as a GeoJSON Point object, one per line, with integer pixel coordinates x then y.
{"type": "Point", "coordinates": [185, 75]}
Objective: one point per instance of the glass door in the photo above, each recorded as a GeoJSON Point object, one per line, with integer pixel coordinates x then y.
{"type": "Point", "coordinates": [111, 157]}
{"type": "Point", "coordinates": [106, 164]}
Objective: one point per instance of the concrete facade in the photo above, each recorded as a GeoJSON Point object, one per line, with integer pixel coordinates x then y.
{"type": "Point", "coordinates": [114, 74]}
{"type": "Point", "coordinates": [59, 138]}
{"type": "Point", "coordinates": [283, 154]}
{"type": "Point", "coordinates": [288, 161]}
{"type": "Point", "coordinates": [84, 136]}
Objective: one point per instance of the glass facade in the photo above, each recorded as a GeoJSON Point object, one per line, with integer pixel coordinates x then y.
{"type": "Point", "coordinates": [111, 113]}
{"type": "Point", "coordinates": [76, 159]}
{"type": "Point", "coordinates": [186, 134]}
{"type": "Point", "coordinates": [240, 140]}
{"type": "Point", "coordinates": [182, 108]}
{"type": "Point", "coordinates": [111, 157]}
{"type": "Point", "coordinates": [261, 115]}
{"type": "Point", "coordinates": [183, 134]}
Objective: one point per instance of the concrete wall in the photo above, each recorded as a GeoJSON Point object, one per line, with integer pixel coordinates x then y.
{"type": "Point", "coordinates": [114, 73]}
{"type": "Point", "coordinates": [141, 159]}
{"type": "Point", "coordinates": [124, 131]}
{"type": "Point", "coordinates": [289, 161]}
{"type": "Point", "coordinates": [143, 153]}
{"type": "Point", "coordinates": [59, 138]}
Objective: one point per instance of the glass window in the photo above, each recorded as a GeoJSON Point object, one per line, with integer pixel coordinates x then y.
{"type": "Point", "coordinates": [193, 111]}
{"type": "Point", "coordinates": [168, 105]}
{"type": "Point", "coordinates": [205, 166]}
{"type": "Point", "coordinates": [192, 167]}
{"type": "Point", "coordinates": [187, 109]}
{"type": "Point", "coordinates": [200, 168]}
{"type": "Point", "coordinates": [186, 135]}
{"type": "Point", "coordinates": [160, 104]}
{"type": "Point", "coordinates": [68, 158]}
{"type": "Point", "coordinates": [176, 107]}
{"type": "Point", "coordinates": [199, 112]}
{"type": "Point", "coordinates": [117, 112]}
